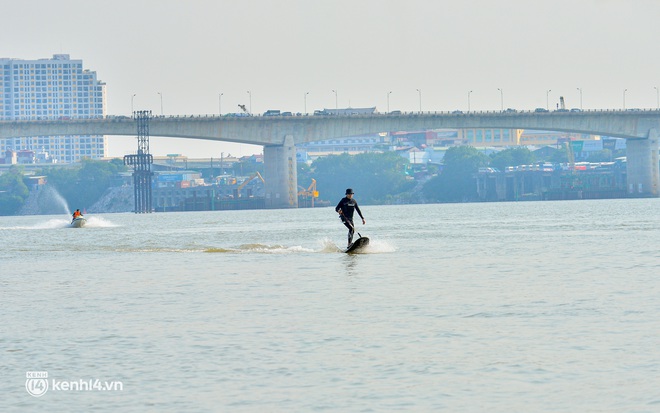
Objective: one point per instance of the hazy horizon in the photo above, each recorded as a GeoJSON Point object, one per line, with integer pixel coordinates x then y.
{"type": "Point", "coordinates": [190, 52]}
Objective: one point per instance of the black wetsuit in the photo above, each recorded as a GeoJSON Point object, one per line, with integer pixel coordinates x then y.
{"type": "Point", "coordinates": [348, 207]}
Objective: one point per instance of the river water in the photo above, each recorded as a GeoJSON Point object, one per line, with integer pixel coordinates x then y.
{"type": "Point", "coordinates": [497, 307]}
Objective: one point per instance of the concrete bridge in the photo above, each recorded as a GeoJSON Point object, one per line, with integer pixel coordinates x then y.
{"type": "Point", "coordinates": [280, 134]}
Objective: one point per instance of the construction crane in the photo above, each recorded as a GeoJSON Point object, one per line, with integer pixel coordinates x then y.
{"type": "Point", "coordinates": [237, 191]}
{"type": "Point", "coordinates": [310, 192]}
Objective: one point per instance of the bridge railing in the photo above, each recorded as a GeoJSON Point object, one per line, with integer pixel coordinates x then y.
{"type": "Point", "coordinates": [508, 112]}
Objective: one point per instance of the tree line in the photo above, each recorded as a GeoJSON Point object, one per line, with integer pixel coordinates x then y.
{"type": "Point", "coordinates": [83, 185]}
{"type": "Point", "coordinates": [377, 178]}
{"type": "Point", "coordinates": [13, 191]}
{"type": "Point", "coordinates": [387, 177]}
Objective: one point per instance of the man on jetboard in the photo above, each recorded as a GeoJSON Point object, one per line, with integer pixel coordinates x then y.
{"type": "Point", "coordinates": [346, 207]}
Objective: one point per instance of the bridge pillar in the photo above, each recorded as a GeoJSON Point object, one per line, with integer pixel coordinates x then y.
{"type": "Point", "coordinates": [281, 175]}
{"type": "Point", "coordinates": [642, 166]}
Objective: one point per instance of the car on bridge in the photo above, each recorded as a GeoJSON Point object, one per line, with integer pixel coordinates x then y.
{"type": "Point", "coordinates": [540, 110]}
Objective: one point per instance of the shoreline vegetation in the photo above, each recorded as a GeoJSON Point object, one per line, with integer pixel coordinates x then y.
{"type": "Point", "coordinates": [378, 178]}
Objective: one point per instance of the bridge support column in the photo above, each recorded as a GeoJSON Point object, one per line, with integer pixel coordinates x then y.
{"type": "Point", "coordinates": [642, 166]}
{"type": "Point", "coordinates": [281, 175]}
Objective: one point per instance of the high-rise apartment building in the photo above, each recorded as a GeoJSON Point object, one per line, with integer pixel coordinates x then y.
{"type": "Point", "coordinates": [57, 88]}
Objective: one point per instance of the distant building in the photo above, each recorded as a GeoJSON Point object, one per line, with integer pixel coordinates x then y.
{"type": "Point", "coordinates": [424, 146]}
{"type": "Point", "coordinates": [583, 149]}
{"type": "Point", "coordinates": [494, 138]}
{"type": "Point", "coordinates": [490, 137]}
{"type": "Point", "coordinates": [541, 138]}
{"type": "Point", "coordinates": [56, 88]}
{"type": "Point", "coordinates": [256, 158]}
{"type": "Point", "coordinates": [351, 145]}
{"type": "Point", "coordinates": [9, 157]}
{"type": "Point", "coordinates": [415, 155]}
{"type": "Point", "coordinates": [26, 156]}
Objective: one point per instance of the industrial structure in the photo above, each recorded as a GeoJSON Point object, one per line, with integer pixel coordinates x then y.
{"type": "Point", "coordinates": [141, 163]}
{"type": "Point", "coordinates": [584, 180]}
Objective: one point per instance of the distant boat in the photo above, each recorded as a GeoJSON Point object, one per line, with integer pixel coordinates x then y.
{"type": "Point", "coordinates": [78, 222]}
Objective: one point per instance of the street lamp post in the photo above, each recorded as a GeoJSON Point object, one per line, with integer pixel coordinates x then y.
{"type": "Point", "coordinates": [134, 94]}
{"type": "Point", "coordinates": [161, 103]}
{"type": "Point", "coordinates": [657, 97]}
{"type": "Point", "coordinates": [250, 94]}
{"type": "Point", "coordinates": [624, 98]}
{"type": "Point", "coordinates": [469, 92]}
{"type": "Point", "coordinates": [420, 99]}
{"type": "Point", "coordinates": [547, 99]}
{"type": "Point", "coordinates": [220, 103]}
{"type": "Point", "coordinates": [580, 89]}
{"type": "Point", "coordinates": [336, 101]}
{"type": "Point", "coordinates": [388, 101]}
{"type": "Point", "coordinates": [501, 99]}
{"type": "Point", "coordinates": [306, 93]}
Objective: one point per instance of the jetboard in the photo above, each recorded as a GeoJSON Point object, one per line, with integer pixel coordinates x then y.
{"type": "Point", "coordinates": [357, 245]}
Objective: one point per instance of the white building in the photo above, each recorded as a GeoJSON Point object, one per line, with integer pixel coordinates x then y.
{"type": "Point", "coordinates": [352, 145]}
{"type": "Point", "coordinates": [57, 88]}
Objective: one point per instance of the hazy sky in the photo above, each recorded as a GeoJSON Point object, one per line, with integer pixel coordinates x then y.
{"type": "Point", "coordinates": [193, 50]}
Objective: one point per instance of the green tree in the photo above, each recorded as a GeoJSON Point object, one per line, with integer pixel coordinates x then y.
{"type": "Point", "coordinates": [13, 191]}
{"type": "Point", "coordinates": [81, 187]}
{"type": "Point", "coordinates": [511, 157]}
{"type": "Point", "coordinates": [373, 176]}
{"type": "Point", "coordinates": [304, 174]}
{"type": "Point", "coordinates": [560, 156]}
{"type": "Point", "coordinates": [245, 168]}
{"type": "Point", "coordinates": [456, 183]}
{"type": "Point", "coordinates": [601, 156]}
